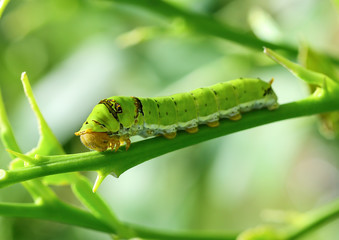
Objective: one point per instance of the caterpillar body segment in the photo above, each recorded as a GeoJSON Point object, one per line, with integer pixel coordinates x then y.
{"type": "Point", "coordinates": [114, 120]}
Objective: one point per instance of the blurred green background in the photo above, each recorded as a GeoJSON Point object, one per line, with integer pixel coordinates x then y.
{"type": "Point", "coordinates": [77, 52]}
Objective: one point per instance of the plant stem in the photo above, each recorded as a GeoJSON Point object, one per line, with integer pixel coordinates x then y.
{"type": "Point", "coordinates": [58, 212]}
{"type": "Point", "coordinates": [48, 143]}
{"type": "Point", "coordinates": [175, 235]}
{"type": "Point", "coordinates": [67, 214]}
{"type": "Point", "coordinates": [97, 206]}
{"type": "Point", "coordinates": [7, 135]}
{"type": "Point", "coordinates": [142, 151]}
{"type": "Point", "coordinates": [207, 25]}
{"type": "Point", "coordinates": [315, 219]}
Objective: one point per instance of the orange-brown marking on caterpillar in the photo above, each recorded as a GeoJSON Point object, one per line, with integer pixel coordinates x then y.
{"type": "Point", "coordinates": [235, 117]}
{"type": "Point", "coordinates": [98, 141]}
{"type": "Point", "coordinates": [213, 124]}
{"type": "Point", "coordinates": [101, 141]}
{"type": "Point", "coordinates": [192, 130]}
{"type": "Point", "coordinates": [170, 135]}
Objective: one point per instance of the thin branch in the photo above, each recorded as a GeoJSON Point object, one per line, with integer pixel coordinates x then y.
{"type": "Point", "coordinates": [142, 151]}
{"type": "Point", "coordinates": [181, 235]}
{"type": "Point", "coordinates": [315, 219]}
{"type": "Point", "coordinates": [67, 214]}
{"type": "Point", "coordinates": [207, 25]}
{"type": "Point", "coordinates": [58, 212]}
{"type": "Point", "coordinates": [6, 131]}
{"type": "Point", "coordinates": [48, 143]}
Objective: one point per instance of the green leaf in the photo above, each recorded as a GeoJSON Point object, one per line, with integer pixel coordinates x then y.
{"type": "Point", "coordinates": [309, 76]}
{"type": "Point", "coordinates": [48, 143]}
{"type": "Point", "coordinates": [317, 62]}
{"type": "Point", "coordinates": [98, 207]}
{"type": "Point", "coordinates": [6, 132]}
{"type": "Point", "coordinates": [310, 59]}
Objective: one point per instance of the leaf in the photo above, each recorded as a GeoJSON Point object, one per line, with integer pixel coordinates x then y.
{"type": "Point", "coordinates": [310, 59]}
{"type": "Point", "coordinates": [48, 143]}
{"type": "Point", "coordinates": [318, 62]}
{"type": "Point", "coordinates": [309, 76]}
{"type": "Point", "coordinates": [82, 189]}
{"type": "Point", "coordinates": [6, 132]}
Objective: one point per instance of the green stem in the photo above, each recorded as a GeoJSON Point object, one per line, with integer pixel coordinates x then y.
{"type": "Point", "coordinates": [45, 199]}
{"type": "Point", "coordinates": [63, 213]}
{"type": "Point", "coordinates": [7, 135]}
{"type": "Point", "coordinates": [48, 143]}
{"type": "Point", "coordinates": [142, 151]}
{"type": "Point", "coordinates": [188, 235]}
{"type": "Point", "coordinates": [316, 219]}
{"type": "Point", "coordinates": [97, 206]}
{"type": "Point", "coordinates": [207, 25]}
{"type": "Point", "coordinates": [58, 212]}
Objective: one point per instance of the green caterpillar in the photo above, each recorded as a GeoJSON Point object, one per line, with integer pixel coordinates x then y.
{"type": "Point", "coordinates": [114, 120]}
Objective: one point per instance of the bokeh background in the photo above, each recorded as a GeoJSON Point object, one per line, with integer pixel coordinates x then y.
{"type": "Point", "coordinates": [77, 52]}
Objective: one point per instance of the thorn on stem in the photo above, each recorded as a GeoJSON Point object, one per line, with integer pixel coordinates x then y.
{"type": "Point", "coordinates": [100, 178]}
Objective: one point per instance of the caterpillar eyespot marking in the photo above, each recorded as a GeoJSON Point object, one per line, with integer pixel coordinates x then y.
{"type": "Point", "coordinates": [114, 120]}
{"type": "Point", "coordinates": [118, 108]}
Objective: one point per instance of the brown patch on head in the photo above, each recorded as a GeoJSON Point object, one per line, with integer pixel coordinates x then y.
{"type": "Point", "coordinates": [101, 141]}
{"type": "Point", "coordinates": [98, 141]}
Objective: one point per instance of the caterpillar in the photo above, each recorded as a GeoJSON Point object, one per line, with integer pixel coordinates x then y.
{"type": "Point", "coordinates": [114, 120]}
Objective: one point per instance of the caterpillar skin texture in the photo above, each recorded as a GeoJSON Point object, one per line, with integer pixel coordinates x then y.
{"type": "Point", "coordinates": [114, 120]}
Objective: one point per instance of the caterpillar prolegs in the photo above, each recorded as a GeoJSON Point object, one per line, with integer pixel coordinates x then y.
{"type": "Point", "coordinates": [114, 120]}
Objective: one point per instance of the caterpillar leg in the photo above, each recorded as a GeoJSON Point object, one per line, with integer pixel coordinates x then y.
{"type": "Point", "coordinates": [273, 107]}
{"type": "Point", "coordinates": [192, 130]}
{"type": "Point", "coordinates": [114, 143]}
{"type": "Point", "coordinates": [235, 117]}
{"type": "Point", "coordinates": [170, 135]}
{"type": "Point", "coordinates": [213, 124]}
{"type": "Point", "coordinates": [125, 139]}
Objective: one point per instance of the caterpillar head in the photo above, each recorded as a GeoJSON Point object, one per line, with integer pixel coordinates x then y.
{"type": "Point", "coordinates": [97, 133]}
{"type": "Point", "coordinates": [270, 95]}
